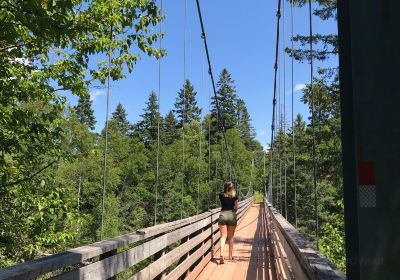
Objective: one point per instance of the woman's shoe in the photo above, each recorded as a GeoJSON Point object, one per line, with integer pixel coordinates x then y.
{"type": "Point", "coordinates": [221, 260]}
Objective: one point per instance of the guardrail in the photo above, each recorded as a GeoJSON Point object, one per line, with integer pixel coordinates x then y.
{"type": "Point", "coordinates": [294, 256]}
{"type": "Point", "coordinates": [179, 248]}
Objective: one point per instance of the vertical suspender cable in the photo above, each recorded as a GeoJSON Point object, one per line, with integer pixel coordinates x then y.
{"type": "Point", "coordinates": [293, 132]}
{"type": "Point", "coordinates": [198, 180]}
{"type": "Point", "coordinates": [280, 119]}
{"type": "Point", "coordinates": [280, 174]}
{"type": "Point", "coordinates": [313, 127]}
{"type": "Point", "coordinates": [158, 125]}
{"type": "Point", "coordinates": [284, 111]}
{"type": "Point", "coordinates": [264, 175]}
{"type": "Point", "coordinates": [209, 143]}
{"type": "Point", "coordinates": [278, 14]}
{"type": "Point", "coordinates": [184, 105]}
{"type": "Point", "coordinates": [200, 136]}
{"type": "Point", "coordinates": [106, 137]}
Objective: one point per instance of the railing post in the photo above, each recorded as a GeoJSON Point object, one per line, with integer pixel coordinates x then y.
{"type": "Point", "coordinates": [183, 258]}
{"type": "Point", "coordinates": [159, 255]}
{"type": "Point", "coordinates": [107, 255]}
{"type": "Point", "coordinates": [212, 235]}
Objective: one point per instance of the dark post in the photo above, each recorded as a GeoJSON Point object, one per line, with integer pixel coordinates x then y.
{"type": "Point", "coordinates": [369, 42]}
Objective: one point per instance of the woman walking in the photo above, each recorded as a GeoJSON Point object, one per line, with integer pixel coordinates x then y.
{"type": "Point", "coordinates": [227, 219]}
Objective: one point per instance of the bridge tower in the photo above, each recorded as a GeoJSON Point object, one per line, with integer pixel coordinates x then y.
{"type": "Point", "coordinates": [369, 41]}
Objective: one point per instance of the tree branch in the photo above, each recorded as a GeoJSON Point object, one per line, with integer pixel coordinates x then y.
{"type": "Point", "coordinates": [30, 177]}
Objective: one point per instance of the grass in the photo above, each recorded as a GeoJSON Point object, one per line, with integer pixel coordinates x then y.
{"type": "Point", "coordinates": [258, 197]}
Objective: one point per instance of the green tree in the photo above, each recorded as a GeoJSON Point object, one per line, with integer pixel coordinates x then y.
{"type": "Point", "coordinates": [325, 96]}
{"type": "Point", "coordinates": [186, 107]}
{"type": "Point", "coordinates": [332, 241]}
{"type": "Point", "coordinates": [246, 130]}
{"type": "Point", "coordinates": [170, 128]}
{"type": "Point", "coordinates": [327, 44]}
{"type": "Point", "coordinates": [48, 52]}
{"type": "Point", "coordinates": [119, 116]}
{"type": "Point", "coordinates": [147, 128]}
{"type": "Point", "coordinates": [84, 111]}
{"type": "Point", "coordinates": [226, 96]}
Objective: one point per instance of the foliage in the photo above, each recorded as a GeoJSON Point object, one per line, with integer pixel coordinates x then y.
{"type": "Point", "coordinates": [324, 95]}
{"type": "Point", "coordinates": [84, 111]}
{"type": "Point", "coordinates": [328, 44]}
{"type": "Point", "coordinates": [50, 164]}
{"type": "Point", "coordinates": [45, 48]}
{"type": "Point", "coordinates": [119, 116]}
{"type": "Point", "coordinates": [186, 107]}
{"type": "Point", "coordinates": [61, 207]}
{"type": "Point", "coordinates": [331, 243]}
{"type": "Point", "coordinates": [147, 128]}
{"type": "Point", "coordinates": [226, 98]}
{"type": "Point", "coordinates": [258, 197]}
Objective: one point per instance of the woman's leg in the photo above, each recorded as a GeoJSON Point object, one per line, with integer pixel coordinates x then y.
{"type": "Point", "coordinates": [223, 231]}
{"type": "Point", "coordinates": [231, 233]}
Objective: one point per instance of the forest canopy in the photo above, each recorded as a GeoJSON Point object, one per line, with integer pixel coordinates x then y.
{"type": "Point", "coordinates": [52, 160]}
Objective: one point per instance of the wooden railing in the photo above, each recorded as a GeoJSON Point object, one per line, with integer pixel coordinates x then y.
{"type": "Point", "coordinates": [294, 256]}
{"type": "Point", "coordinates": [165, 251]}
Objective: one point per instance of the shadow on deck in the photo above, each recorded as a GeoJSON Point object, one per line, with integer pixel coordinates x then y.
{"type": "Point", "coordinates": [253, 259]}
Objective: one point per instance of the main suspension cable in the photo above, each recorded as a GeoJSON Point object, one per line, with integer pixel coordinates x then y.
{"type": "Point", "coordinates": [278, 14]}
{"type": "Point", "coordinates": [203, 35]}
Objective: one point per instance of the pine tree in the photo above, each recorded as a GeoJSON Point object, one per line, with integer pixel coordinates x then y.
{"type": "Point", "coordinates": [170, 128]}
{"type": "Point", "coordinates": [186, 107]}
{"type": "Point", "coordinates": [120, 117]}
{"type": "Point", "coordinates": [147, 128]}
{"type": "Point", "coordinates": [246, 130]}
{"type": "Point", "coordinates": [84, 111]}
{"type": "Point", "coordinates": [226, 95]}
{"type": "Point", "coordinates": [327, 45]}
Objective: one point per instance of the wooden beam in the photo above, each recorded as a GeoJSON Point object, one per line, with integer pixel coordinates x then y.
{"type": "Point", "coordinates": [156, 268]}
{"type": "Point", "coordinates": [35, 268]}
{"type": "Point", "coordinates": [115, 264]}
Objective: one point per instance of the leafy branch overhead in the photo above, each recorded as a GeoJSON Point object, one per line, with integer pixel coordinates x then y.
{"type": "Point", "coordinates": [328, 46]}
{"type": "Point", "coordinates": [48, 47]}
{"type": "Point", "coordinates": [325, 45]}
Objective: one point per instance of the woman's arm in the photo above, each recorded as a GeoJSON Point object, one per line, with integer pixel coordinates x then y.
{"type": "Point", "coordinates": [236, 205]}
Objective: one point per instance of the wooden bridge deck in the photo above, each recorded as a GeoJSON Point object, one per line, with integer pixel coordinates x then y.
{"type": "Point", "coordinates": [250, 250]}
{"type": "Point", "coordinates": [285, 254]}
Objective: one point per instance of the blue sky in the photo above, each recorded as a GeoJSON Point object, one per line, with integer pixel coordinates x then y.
{"type": "Point", "coordinates": [241, 38]}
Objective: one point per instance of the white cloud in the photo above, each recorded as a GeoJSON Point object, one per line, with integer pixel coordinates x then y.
{"type": "Point", "coordinates": [262, 133]}
{"type": "Point", "coordinates": [96, 93]}
{"type": "Point", "coordinates": [299, 87]}
{"type": "Point", "coordinates": [23, 61]}
{"type": "Point", "coordinates": [267, 148]}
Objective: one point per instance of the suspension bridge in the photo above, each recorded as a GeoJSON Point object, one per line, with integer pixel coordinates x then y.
{"type": "Point", "coordinates": [267, 246]}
